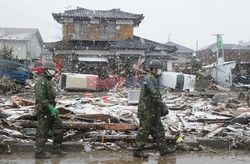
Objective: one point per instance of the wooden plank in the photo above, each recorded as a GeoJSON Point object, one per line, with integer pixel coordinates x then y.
{"type": "Point", "coordinates": [83, 126]}
{"type": "Point", "coordinates": [95, 30]}
{"type": "Point", "coordinates": [102, 117]}
{"type": "Point", "coordinates": [127, 138]}
{"type": "Point", "coordinates": [68, 31]}
{"type": "Point", "coordinates": [215, 131]}
{"type": "Point", "coordinates": [222, 114]}
{"type": "Point", "coordinates": [125, 32]}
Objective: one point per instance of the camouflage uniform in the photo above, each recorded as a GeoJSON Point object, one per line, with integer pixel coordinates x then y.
{"type": "Point", "coordinates": [149, 112]}
{"type": "Point", "coordinates": [45, 95]}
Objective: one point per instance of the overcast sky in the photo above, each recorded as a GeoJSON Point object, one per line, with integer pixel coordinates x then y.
{"type": "Point", "coordinates": [186, 20]}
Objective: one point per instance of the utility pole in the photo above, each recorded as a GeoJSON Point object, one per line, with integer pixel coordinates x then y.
{"type": "Point", "coordinates": [197, 45]}
{"type": "Point", "coordinates": [169, 35]}
{"type": "Point", "coordinates": [219, 45]}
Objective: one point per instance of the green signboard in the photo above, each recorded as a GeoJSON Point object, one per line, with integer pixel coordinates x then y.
{"type": "Point", "coordinates": [219, 41]}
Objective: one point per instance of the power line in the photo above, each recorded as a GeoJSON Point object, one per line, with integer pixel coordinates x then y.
{"type": "Point", "coordinates": [31, 18]}
{"type": "Point", "coordinates": [27, 16]}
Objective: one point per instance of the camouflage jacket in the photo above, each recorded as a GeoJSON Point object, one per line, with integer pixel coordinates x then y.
{"type": "Point", "coordinates": [150, 103]}
{"type": "Point", "coordinates": [45, 94]}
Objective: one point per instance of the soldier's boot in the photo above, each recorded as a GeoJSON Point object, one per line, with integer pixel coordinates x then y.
{"type": "Point", "coordinates": [166, 151]}
{"type": "Point", "coordinates": [57, 150]}
{"type": "Point", "coordinates": [40, 152]}
{"type": "Point", "coordinates": [139, 154]}
{"type": "Point", "coordinates": [42, 155]}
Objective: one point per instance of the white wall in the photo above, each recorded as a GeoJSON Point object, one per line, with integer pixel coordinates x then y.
{"type": "Point", "coordinates": [34, 48]}
{"type": "Point", "coordinates": [170, 65]}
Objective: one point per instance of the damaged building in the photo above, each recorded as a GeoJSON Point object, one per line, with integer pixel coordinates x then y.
{"type": "Point", "coordinates": [183, 55]}
{"type": "Point", "coordinates": [103, 41]}
{"type": "Point", "coordinates": [230, 52]}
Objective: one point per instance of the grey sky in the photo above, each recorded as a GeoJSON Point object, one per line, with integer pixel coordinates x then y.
{"type": "Point", "coordinates": [188, 20]}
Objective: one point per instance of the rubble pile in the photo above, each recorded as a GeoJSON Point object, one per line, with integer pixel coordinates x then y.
{"type": "Point", "coordinates": [7, 85]}
{"type": "Point", "coordinates": [10, 87]}
{"type": "Point", "coordinates": [109, 122]}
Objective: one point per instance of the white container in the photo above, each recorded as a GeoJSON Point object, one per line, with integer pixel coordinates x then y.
{"type": "Point", "coordinates": [222, 72]}
{"type": "Point", "coordinates": [179, 81]}
{"type": "Point", "coordinates": [133, 96]}
{"type": "Point", "coordinates": [78, 81]}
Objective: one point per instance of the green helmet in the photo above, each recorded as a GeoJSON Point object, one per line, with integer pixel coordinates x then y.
{"type": "Point", "coordinates": [49, 65]}
{"type": "Point", "coordinates": [155, 63]}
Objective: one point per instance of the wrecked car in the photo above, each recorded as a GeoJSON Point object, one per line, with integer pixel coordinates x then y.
{"type": "Point", "coordinates": [15, 71]}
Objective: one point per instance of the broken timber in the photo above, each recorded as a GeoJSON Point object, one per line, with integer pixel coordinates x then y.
{"type": "Point", "coordinates": [84, 126]}
{"type": "Point", "coordinates": [211, 121]}
{"type": "Point", "coordinates": [127, 138]}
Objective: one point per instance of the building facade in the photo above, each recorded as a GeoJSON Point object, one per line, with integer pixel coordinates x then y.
{"type": "Point", "coordinates": [101, 40]}
{"type": "Point", "coordinates": [27, 43]}
{"type": "Point", "coordinates": [230, 52]}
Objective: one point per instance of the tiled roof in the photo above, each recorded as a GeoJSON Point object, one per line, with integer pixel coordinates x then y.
{"type": "Point", "coordinates": [180, 47]}
{"type": "Point", "coordinates": [225, 46]}
{"type": "Point", "coordinates": [137, 43]}
{"type": "Point", "coordinates": [82, 13]}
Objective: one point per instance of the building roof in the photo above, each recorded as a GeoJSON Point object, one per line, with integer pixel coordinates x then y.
{"type": "Point", "coordinates": [181, 48]}
{"type": "Point", "coordinates": [86, 14]}
{"type": "Point", "coordinates": [245, 43]}
{"type": "Point", "coordinates": [19, 34]}
{"type": "Point", "coordinates": [77, 45]}
{"type": "Point", "coordinates": [142, 43]}
{"type": "Point", "coordinates": [137, 43]}
{"type": "Point", "coordinates": [226, 46]}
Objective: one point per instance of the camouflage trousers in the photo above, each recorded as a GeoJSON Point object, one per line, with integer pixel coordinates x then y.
{"type": "Point", "coordinates": [151, 127]}
{"type": "Point", "coordinates": [44, 125]}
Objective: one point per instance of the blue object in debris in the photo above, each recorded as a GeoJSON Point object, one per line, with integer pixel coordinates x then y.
{"type": "Point", "coordinates": [15, 71]}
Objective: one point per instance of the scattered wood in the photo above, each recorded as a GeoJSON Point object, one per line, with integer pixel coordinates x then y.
{"type": "Point", "coordinates": [103, 136]}
{"type": "Point", "coordinates": [3, 115]}
{"type": "Point", "coordinates": [184, 123]}
{"type": "Point", "coordinates": [83, 126]}
{"type": "Point", "coordinates": [219, 88]}
{"type": "Point", "coordinates": [126, 138]}
{"type": "Point", "coordinates": [75, 118]}
{"type": "Point", "coordinates": [101, 117]}
{"type": "Point", "coordinates": [75, 137]}
{"type": "Point", "coordinates": [222, 114]}
{"type": "Point", "coordinates": [64, 111]}
{"type": "Point", "coordinates": [18, 101]}
{"type": "Point", "coordinates": [9, 125]}
{"type": "Point", "coordinates": [206, 120]}
{"type": "Point", "coordinates": [215, 131]}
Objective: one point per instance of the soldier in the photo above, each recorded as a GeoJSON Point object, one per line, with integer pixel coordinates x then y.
{"type": "Point", "coordinates": [47, 114]}
{"type": "Point", "coordinates": [150, 109]}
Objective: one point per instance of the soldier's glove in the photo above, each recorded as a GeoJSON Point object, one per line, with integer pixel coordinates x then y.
{"type": "Point", "coordinates": [53, 111]}
{"type": "Point", "coordinates": [165, 111]}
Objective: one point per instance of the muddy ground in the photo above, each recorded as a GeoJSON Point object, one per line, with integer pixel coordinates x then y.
{"type": "Point", "coordinates": [103, 157]}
